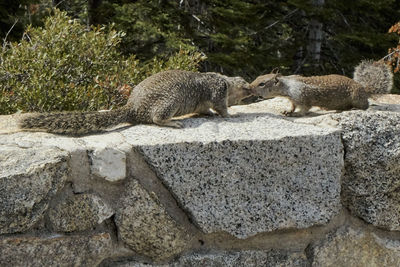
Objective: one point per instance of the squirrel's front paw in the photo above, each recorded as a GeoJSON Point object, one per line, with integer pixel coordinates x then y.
{"type": "Point", "coordinates": [287, 113]}
{"type": "Point", "coordinates": [176, 124]}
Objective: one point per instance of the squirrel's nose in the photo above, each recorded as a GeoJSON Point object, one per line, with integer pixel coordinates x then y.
{"type": "Point", "coordinates": [251, 88]}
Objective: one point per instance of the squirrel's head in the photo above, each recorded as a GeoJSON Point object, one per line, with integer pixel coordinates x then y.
{"type": "Point", "coordinates": [238, 89]}
{"type": "Point", "coordinates": [266, 86]}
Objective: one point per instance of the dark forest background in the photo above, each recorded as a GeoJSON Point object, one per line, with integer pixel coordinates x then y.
{"type": "Point", "coordinates": [237, 37]}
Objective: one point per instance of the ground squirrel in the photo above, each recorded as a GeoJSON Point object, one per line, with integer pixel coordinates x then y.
{"type": "Point", "coordinates": [155, 100]}
{"type": "Point", "coordinates": [334, 92]}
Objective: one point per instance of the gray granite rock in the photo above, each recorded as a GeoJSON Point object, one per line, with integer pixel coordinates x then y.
{"type": "Point", "coordinates": [356, 248]}
{"type": "Point", "coordinates": [372, 174]}
{"type": "Point", "coordinates": [246, 258]}
{"type": "Point", "coordinates": [145, 227]}
{"type": "Point", "coordinates": [55, 250]}
{"type": "Point", "coordinates": [78, 213]}
{"type": "Point", "coordinates": [29, 177]}
{"type": "Point", "coordinates": [381, 210]}
{"type": "Point", "coordinates": [385, 102]}
{"type": "Point", "coordinates": [250, 258]}
{"type": "Point", "coordinates": [248, 174]}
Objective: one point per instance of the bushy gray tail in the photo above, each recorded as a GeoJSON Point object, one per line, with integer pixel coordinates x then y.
{"type": "Point", "coordinates": [377, 77]}
{"type": "Point", "coordinates": [75, 123]}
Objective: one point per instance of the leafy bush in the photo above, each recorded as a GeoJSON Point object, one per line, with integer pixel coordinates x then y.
{"type": "Point", "coordinates": [393, 57]}
{"type": "Point", "coordinates": [184, 60]}
{"type": "Point", "coordinates": [66, 66]}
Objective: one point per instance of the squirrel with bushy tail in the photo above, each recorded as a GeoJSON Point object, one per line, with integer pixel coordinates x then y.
{"type": "Point", "coordinates": [333, 92]}
{"type": "Point", "coordinates": [155, 100]}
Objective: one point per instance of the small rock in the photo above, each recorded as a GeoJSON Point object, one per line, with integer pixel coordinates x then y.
{"type": "Point", "coordinates": [29, 177]}
{"type": "Point", "coordinates": [108, 163]}
{"type": "Point", "coordinates": [356, 248]}
{"type": "Point", "coordinates": [145, 227]}
{"type": "Point", "coordinates": [247, 258]}
{"type": "Point", "coordinates": [252, 258]}
{"type": "Point", "coordinates": [372, 174]}
{"type": "Point", "coordinates": [79, 212]}
{"type": "Point", "coordinates": [55, 250]}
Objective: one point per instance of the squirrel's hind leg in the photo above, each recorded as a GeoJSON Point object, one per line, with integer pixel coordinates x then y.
{"type": "Point", "coordinates": [361, 104]}
{"type": "Point", "coordinates": [162, 117]}
{"type": "Point", "coordinates": [205, 111]}
{"type": "Point", "coordinates": [168, 123]}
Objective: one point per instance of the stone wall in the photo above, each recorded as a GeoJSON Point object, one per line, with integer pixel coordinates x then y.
{"type": "Point", "coordinates": [256, 189]}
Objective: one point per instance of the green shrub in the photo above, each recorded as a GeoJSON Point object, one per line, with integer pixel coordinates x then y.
{"type": "Point", "coordinates": [66, 66]}
{"type": "Point", "coordinates": [184, 60]}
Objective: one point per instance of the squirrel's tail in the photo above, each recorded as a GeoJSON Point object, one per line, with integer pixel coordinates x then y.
{"type": "Point", "coordinates": [76, 123]}
{"type": "Point", "coordinates": [377, 77]}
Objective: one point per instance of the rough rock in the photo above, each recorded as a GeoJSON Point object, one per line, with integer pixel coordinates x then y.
{"type": "Point", "coordinates": [390, 99]}
{"type": "Point", "coordinates": [350, 247]}
{"type": "Point", "coordinates": [145, 226]}
{"type": "Point", "coordinates": [247, 175]}
{"type": "Point", "coordinates": [371, 181]}
{"type": "Point", "coordinates": [78, 213]}
{"type": "Point", "coordinates": [248, 258]}
{"type": "Point", "coordinates": [244, 258]}
{"type": "Point", "coordinates": [388, 102]}
{"type": "Point", "coordinates": [29, 178]}
{"type": "Point", "coordinates": [277, 105]}
{"type": "Point", "coordinates": [382, 210]}
{"type": "Point", "coordinates": [55, 250]}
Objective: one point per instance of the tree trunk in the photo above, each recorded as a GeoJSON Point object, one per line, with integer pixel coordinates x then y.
{"type": "Point", "coordinates": [92, 12]}
{"type": "Point", "coordinates": [315, 36]}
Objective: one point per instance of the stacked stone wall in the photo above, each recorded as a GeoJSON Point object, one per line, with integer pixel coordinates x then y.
{"type": "Point", "coordinates": [257, 189]}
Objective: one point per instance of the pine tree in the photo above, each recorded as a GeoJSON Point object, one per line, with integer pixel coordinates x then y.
{"type": "Point", "coordinates": [252, 37]}
{"type": "Point", "coordinates": [352, 30]}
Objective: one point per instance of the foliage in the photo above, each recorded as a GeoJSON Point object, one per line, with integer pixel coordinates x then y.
{"type": "Point", "coordinates": [153, 27]}
{"type": "Point", "coordinates": [15, 15]}
{"type": "Point", "coordinates": [10, 13]}
{"type": "Point", "coordinates": [393, 56]}
{"type": "Point", "coordinates": [77, 9]}
{"type": "Point", "coordinates": [245, 37]}
{"type": "Point", "coordinates": [251, 37]}
{"type": "Point", "coordinates": [356, 30]}
{"type": "Point", "coordinates": [65, 66]}
{"type": "Point", "coordinates": [238, 38]}
{"type": "Point", "coordinates": [394, 53]}
{"type": "Point", "coordinates": [183, 59]}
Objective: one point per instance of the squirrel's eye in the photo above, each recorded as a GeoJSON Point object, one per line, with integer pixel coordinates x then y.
{"type": "Point", "coordinates": [261, 84]}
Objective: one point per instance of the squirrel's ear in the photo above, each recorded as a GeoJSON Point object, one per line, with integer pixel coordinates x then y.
{"type": "Point", "coordinates": [276, 80]}
{"type": "Point", "coordinates": [275, 71]}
